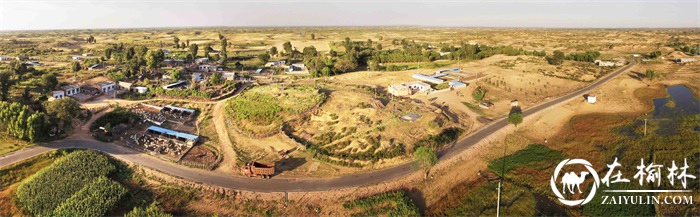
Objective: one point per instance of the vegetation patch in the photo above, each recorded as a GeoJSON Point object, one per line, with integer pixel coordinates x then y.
{"type": "Point", "coordinates": [393, 203]}
{"type": "Point", "coordinates": [262, 110]}
{"type": "Point", "coordinates": [42, 193]}
{"type": "Point", "coordinates": [95, 199]}
{"type": "Point", "coordinates": [534, 155]}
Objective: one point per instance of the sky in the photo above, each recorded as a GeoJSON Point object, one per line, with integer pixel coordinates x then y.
{"type": "Point", "coordinates": [94, 14]}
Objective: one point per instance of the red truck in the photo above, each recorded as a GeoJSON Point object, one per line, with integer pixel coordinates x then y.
{"type": "Point", "coordinates": [264, 170]}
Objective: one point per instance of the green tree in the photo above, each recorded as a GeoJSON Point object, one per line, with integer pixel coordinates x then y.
{"type": "Point", "coordinates": [177, 42]}
{"type": "Point", "coordinates": [310, 51]}
{"type": "Point", "coordinates": [313, 36]}
{"type": "Point", "coordinates": [344, 65]}
{"type": "Point", "coordinates": [193, 49]}
{"type": "Point", "coordinates": [207, 49]}
{"type": "Point", "coordinates": [651, 74]}
{"type": "Point", "coordinates": [64, 110]}
{"type": "Point", "coordinates": [75, 66]}
{"type": "Point", "coordinates": [515, 118]}
{"type": "Point", "coordinates": [48, 82]}
{"type": "Point", "coordinates": [479, 94]}
{"type": "Point", "coordinates": [18, 68]}
{"type": "Point", "coordinates": [425, 158]}
{"type": "Point", "coordinates": [557, 58]}
{"type": "Point", "coordinates": [287, 46]}
{"type": "Point", "coordinates": [655, 54]}
{"type": "Point", "coordinates": [108, 52]}
{"type": "Point", "coordinates": [224, 42]}
{"type": "Point", "coordinates": [273, 51]}
{"type": "Point", "coordinates": [154, 58]}
{"type": "Point", "coordinates": [36, 125]}
{"type": "Point", "coordinates": [215, 79]}
{"type": "Point", "coordinates": [175, 75]}
{"type": "Point", "coordinates": [188, 42]}
{"type": "Point", "coordinates": [5, 84]}
{"type": "Point", "coordinates": [264, 58]}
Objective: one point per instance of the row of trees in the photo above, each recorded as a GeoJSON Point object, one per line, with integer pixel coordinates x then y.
{"type": "Point", "coordinates": [558, 57]}
{"type": "Point", "coordinates": [20, 122]}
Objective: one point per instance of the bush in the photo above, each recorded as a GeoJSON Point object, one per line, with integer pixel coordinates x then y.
{"type": "Point", "coordinates": [479, 94]}
{"type": "Point", "coordinates": [443, 85]}
{"type": "Point", "coordinates": [95, 199]}
{"type": "Point", "coordinates": [41, 193]}
{"type": "Point", "coordinates": [530, 155]}
{"type": "Point", "coordinates": [398, 205]}
{"type": "Point", "coordinates": [117, 116]}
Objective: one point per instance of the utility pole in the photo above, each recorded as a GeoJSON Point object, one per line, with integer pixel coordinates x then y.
{"type": "Point", "coordinates": [498, 205]}
{"type": "Point", "coordinates": [645, 126]}
{"type": "Point", "coordinates": [459, 63]}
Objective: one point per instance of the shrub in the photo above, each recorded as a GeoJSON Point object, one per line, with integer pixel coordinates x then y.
{"type": "Point", "coordinates": [41, 193]}
{"type": "Point", "coordinates": [117, 116]}
{"type": "Point", "coordinates": [95, 199]}
{"type": "Point", "coordinates": [393, 203]}
{"type": "Point", "coordinates": [479, 94]}
{"type": "Point", "coordinates": [443, 85]}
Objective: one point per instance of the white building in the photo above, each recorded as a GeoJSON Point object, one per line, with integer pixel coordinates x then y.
{"type": "Point", "coordinates": [125, 85]}
{"type": "Point", "coordinates": [71, 90]}
{"type": "Point", "coordinates": [6, 58]}
{"type": "Point", "coordinates": [406, 89]}
{"type": "Point", "coordinates": [206, 68]}
{"type": "Point", "coordinates": [229, 76]}
{"type": "Point", "coordinates": [457, 84]}
{"type": "Point", "coordinates": [607, 63]}
{"type": "Point", "coordinates": [275, 63]}
{"type": "Point", "coordinates": [201, 60]}
{"type": "Point", "coordinates": [88, 54]}
{"type": "Point", "coordinates": [140, 89]}
{"type": "Point", "coordinates": [58, 94]}
{"type": "Point", "coordinates": [106, 86]}
{"type": "Point", "coordinates": [77, 58]}
{"type": "Point", "coordinates": [32, 63]}
{"type": "Point", "coordinates": [686, 60]}
{"type": "Point", "coordinates": [591, 99]}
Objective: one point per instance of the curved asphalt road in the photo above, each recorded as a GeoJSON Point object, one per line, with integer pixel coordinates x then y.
{"type": "Point", "coordinates": [283, 184]}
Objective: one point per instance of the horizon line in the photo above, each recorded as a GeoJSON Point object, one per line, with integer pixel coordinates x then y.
{"type": "Point", "coordinates": [332, 26]}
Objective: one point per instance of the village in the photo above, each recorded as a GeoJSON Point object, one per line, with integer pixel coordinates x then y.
{"type": "Point", "coordinates": [294, 111]}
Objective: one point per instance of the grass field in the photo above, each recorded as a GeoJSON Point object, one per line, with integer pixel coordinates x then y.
{"type": "Point", "coordinates": [8, 145]}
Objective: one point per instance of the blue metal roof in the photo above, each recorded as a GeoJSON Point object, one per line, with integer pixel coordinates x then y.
{"type": "Point", "coordinates": [258, 71]}
{"type": "Point", "coordinates": [173, 133]}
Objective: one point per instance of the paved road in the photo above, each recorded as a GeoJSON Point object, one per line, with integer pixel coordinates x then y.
{"type": "Point", "coordinates": [282, 184]}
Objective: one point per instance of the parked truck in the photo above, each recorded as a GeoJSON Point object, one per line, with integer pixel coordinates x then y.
{"type": "Point", "coordinates": [264, 170]}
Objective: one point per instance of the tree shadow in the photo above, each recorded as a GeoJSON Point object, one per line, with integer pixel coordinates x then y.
{"type": "Point", "coordinates": [585, 96]}
{"type": "Point", "coordinates": [636, 75]}
{"type": "Point", "coordinates": [417, 197]}
{"type": "Point", "coordinates": [290, 164]}
{"type": "Point", "coordinates": [516, 109]}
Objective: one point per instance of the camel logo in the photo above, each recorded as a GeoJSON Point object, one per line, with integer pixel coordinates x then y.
{"type": "Point", "coordinates": [571, 182]}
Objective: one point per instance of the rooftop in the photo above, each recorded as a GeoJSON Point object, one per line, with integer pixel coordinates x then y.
{"type": "Point", "coordinates": [173, 133]}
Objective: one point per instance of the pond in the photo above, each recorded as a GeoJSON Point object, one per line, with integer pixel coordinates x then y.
{"type": "Point", "coordinates": [667, 111]}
